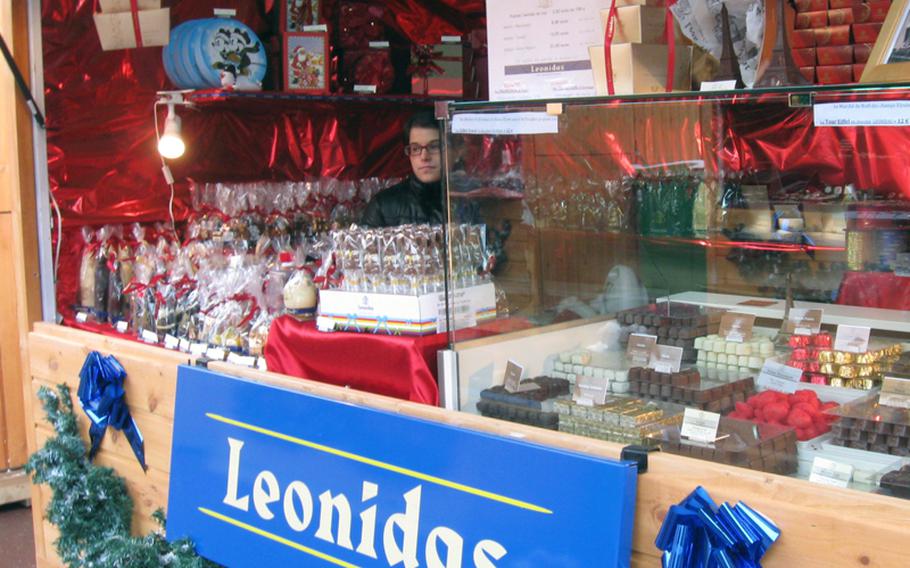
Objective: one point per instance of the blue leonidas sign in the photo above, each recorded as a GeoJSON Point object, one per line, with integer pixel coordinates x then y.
{"type": "Point", "coordinates": [262, 476]}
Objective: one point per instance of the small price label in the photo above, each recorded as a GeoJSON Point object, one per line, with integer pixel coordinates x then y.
{"type": "Point", "coordinates": [591, 388]}
{"type": "Point", "coordinates": [700, 426]}
{"type": "Point", "coordinates": [149, 336]}
{"type": "Point", "coordinates": [82, 317]}
{"type": "Point", "coordinates": [171, 342]}
{"type": "Point", "coordinates": [895, 391]}
{"type": "Point", "coordinates": [736, 327]}
{"type": "Point", "coordinates": [512, 379]}
{"type": "Point", "coordinates": [773, 373]}
{"type": "Point", "coordinates": [184, 345]}
{"type": "Point", "coordinates": [215, 353]}
{"type": "Point", "coordinates": [830, 472]}
{"type": "Point", "coordinates": [241, 360]}
{"type": "Point", "coordinates": [804, 322]}
{"type": "Point", "coordinates": [316, 28]}
{"type": "Point", "coordinates": [325, 323]}
{"type": "Point", "coordinates": [261, 364]}
{"type": "Point", "coordinates": [122, 326]}
{"type": "Point", "coordinates": [852, 338]}
{"type": "Point", "coordinates": [666, 359]}
{"type": "Point", "coordinates": [640, 347]}
{"type": "Point", "coordinates": [198, 349]}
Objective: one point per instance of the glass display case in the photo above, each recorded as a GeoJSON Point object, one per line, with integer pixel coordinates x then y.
{"type": "Point", "coordinates": [616, 224]}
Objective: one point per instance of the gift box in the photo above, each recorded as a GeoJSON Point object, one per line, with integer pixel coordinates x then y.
{"type": "Point", "coordinates": [368, 67]}
{"type": "Point", "coordinates": [840, 16]}
{"type": "Point", "coordinates": [834, 54]}
{"type": "Point", "coordinates": [858, 71]}
{"type": "Point", "coordinates": [409, 315]}
{"type": "Point", "coordinates": [833, 35]}
{"type": "Point", "coordinates": [359, 23]}
{"type": "Point", "coordinates": [834, 74]}
{"type": "Point", "coordinates": [802, 38]}
{"type": "Point", "coordinates": [866, 33]}
{"type": "Point", "coordinates": [439, 70]}
{"type": "Point", "coordinates": [804, 57]}
{"type": "Point", "coordinates": [637, 24]}
{"type": "Point", "coordinates": [121, 28]}
{"type": "Point", "coordinates": [811, 20]}
{"type": "Point", "coordinates": [871, 12]}
{"type": "Point", "coordinates": [861, 52]}
{"type": "Point", "coordinates": [641, 68]}
{"type": "Point", "coordinates": [811, 5]}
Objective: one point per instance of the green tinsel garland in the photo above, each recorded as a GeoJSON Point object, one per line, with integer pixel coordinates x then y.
{"type": "Point", "coordinates": [90, 505]}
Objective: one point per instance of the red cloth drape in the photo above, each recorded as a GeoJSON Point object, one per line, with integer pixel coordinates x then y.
{"type": "Point", "coordinates": [875, 290]}
{"type": "Point", "coordinates": [398, 366]}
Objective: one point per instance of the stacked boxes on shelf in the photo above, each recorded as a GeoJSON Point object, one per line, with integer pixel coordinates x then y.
{"type": "Point", "coordinates": [620, 420]}
{"type": "Point", "coordinates": [832, 39]}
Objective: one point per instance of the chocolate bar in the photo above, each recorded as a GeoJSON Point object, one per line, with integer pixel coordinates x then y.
{"type": "Point", "coordinates": [866, 425]}
{"type": "Point", "coordinates": [687, 387]}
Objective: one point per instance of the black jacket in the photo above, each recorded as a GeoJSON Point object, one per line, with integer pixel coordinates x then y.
{"type": "Point", "coordinates": [410, 201]}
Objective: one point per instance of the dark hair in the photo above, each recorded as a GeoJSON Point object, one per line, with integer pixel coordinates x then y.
{"type": "Point", "coordinates": [420, 119]}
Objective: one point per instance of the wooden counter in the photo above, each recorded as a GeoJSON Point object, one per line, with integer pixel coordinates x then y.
{"type": "Point", "coordinates": [821, 526]}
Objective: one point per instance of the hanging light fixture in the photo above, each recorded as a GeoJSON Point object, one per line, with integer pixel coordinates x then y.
{"type": "Point", "coordinates": [171, 145]}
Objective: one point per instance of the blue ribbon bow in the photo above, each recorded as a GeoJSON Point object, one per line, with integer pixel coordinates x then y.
{"type": "Point", "coordinates": [101, 396]}
{"type": "Point", "coordinates": [697, 533]}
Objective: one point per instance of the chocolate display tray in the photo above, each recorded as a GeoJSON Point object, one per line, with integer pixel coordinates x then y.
{"type": "Point", "coordinates": [713, 395]}
{"type": "Point", "coordinates": [867, 425]}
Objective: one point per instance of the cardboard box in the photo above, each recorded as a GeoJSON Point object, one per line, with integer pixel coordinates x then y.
{"type": "Point", "coordinates": [866, 33]}
{"type": "Point", "coordinates": [406, 315]}
{"type": "Point", "coordinates": [115, 24]}
{"type": "Point", "coordinates": [861, 52]}
{"type": "Point", "coordinates": [802, 38]}
{"type": "Point", "coordinates": [858, 71]}
{"type": "Point", "coordinates": [641, 68]}
{"type": "Point", "coordinates": [834, 74]}
{"type": "Point", "coordinates": [811, 20]}
{"type": "Point", "coordinates": [804, 57]}
{"type": "Point", "coordinates": [811, 5]}
{"type": "Point", "coordinates": [840, 16]}
{"type": "Point", "coordinates": [871, 12]}
{"type": "Point", "coordinates": [833, 35]}
{"type": "Point", "coordinates": [808, 73]}
{"type": "Point", "coordinates": [834, 54]}
{"type": "Point", "coordinates": [637, 24]}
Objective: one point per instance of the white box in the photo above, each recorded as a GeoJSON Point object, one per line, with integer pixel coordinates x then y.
{"type": "Point", "coordinates": [116, 27]}
{"type": "Point", "coordinates": [406, 315]}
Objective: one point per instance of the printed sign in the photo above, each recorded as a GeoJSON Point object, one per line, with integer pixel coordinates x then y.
{"type": "Point", "coordinates": [865, 113]}
{"type": "Point", "coordinates": [852, 338]}
{"type": "Point", "coordinates": [773, 371]}
{"type": "Point", "coordinates": [593, 389]}
{"type": "Point", "coordinates": [259, 472]}
{"type": "Point", "coordinates": [666, 359]}
{"type": "Point", "coordinates": [830, 472]}
{"type": "Point", "coordinates": [700, 426]}
{"type": "Point", "coordinates": [736, 327]}
{"type": "Point", "coordinates": [512, 380]}
{"type": "Point", "coordinates": [640, 347]}
{"type": "Point", "coordinates": [895, 391]}
{"type": "Point", "coordinates": [508, 123]}
{"type": "Point", "coordinates": [803, 321]}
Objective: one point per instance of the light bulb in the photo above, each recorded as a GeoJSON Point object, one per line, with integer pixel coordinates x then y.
{"type": "Point", "coordinates": [170, 145]}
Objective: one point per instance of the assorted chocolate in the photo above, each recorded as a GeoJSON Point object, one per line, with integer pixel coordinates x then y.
{"type": "Point", "coordinates": [765, 447]}
{"type": "Point", "coordinates": [573, 365]}
{"type": "Point", "coordinates": [620, 420]}
{"type": "Point", "coordinates": [867, 425]}
{"type": "Point", "coordinates": [822, 365]}
{"type": "Point", "coordinates": [673, 323]}
{"type": "Point", "coordinates": [687, 387]}
{"type": "Point", "coordinates": [532, 406]}
{"type": "Point", "coordinates": [715, 351]}
{"type": "Point", "coordinates": [897, 482]}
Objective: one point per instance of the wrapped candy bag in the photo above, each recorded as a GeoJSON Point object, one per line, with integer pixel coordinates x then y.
{"type": "Point", "coordinates": [87, 270]}
{"type": "Point", "coordinates": [301, 296]}
{"type": "Point", "coordinates": [102, 273]}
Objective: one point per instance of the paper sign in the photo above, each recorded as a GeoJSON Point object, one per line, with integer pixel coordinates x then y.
{"type": "Point", "coordinates": [324, 323]}
{"type": "Point", "coordinates": [852, 338]}
{"type": "Point", "coordinates": [508, 123]}
{"type": "Point", "coordinates": [666, 359]}
{"type": "Point", "coordinates": [736, 327]}
{"type": "Point", "coordinates": [82, 317]}
{"type": "Point", "coordinates": [804, 322]}
{"type": "Point", "coordinates": [871, 113]}
{"type": "Point", "coordinates": [895, 391]}
{"type": "Point", "coordinates": [592, 388]}
{"type": "Point", "coordinates": [171, 342]}
{"type": "Point", "coordinates": [773, 371]}
{"type": "Point", "coordinates": [640, 347]}
{"type": "Point", "coordinates": [242, 360]}
{"type": "Point", "coordinates": [718, 85]}
{"type": "Point", "coordinates": [198, 349]}
{"type": "Point", "coordinates": [368, 89]}
{"type": "Point", "coordinates": [149, 336]}
{"type": "Point", "coordinates": [184, 345]}
{"type": "Point", "coordinates": [700, 426]}
{"type": "Point", "coordinates": [378, 44]}
{"type": "Point", "coordinates": [512, 379]}
{"type": "Point", "coordinates": [122, 326]}
{"type": "Point", "coordinates": [316, 28]}
{"type": "Point", "coordinates": [830, 472]}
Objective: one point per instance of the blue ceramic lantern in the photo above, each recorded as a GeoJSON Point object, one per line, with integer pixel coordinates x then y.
{"type": "Point", "coordinates": [212, 52]}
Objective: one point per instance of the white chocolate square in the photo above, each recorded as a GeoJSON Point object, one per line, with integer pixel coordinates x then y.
{"type": "Point", "coordinates": [559, 375]}
{"type": "Point", "coordinates": [558, 366]}
{"type": "Point", "coordinates": [621, 376]}
{"type": "Point", "coordinates": [766, 348]}
{"type": "Point", "coordinates": [712, 357]}
{"type": "Point", "coordinates": [578, 369]}
{"type": "Point", "coordinates": [571, 377]}
{"type": "Point", "coordinates": [702, 355]}
{"type": "Point", "coordinates": [598, 373]}
{"type": "Point", "coordinates": [720, 346]}
{"type": "Point", "coordinates": [699, 342]}
{"type": "Point", "coordinates": [576, 359]}
{"type": "Point", "coordinates": [731, 348]}
{"type": "Point", "coordinates": [589, 371]}
{"type": "Point", "coordinates": [732, 368]}
{"type": "Point", "coordinates": [743, 349]}
{"type": "Point", "coordinates": [565, 357]}
{"type": "Point", "coordinates": [755, 362]}
{"type": "Point", "coordinates": [620, 388]}
{"type": "Point", "coordinates": [708, 344]}
{"type": "Point", "coordinates": [711, 365]}
{"type": "Point", "coordinates": [722, 358]}
{"type": "Point", "coordinates": [609, 374]}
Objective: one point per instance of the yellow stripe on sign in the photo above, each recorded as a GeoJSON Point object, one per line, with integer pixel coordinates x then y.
{"type": "Point", "coordinates": [276, 538]}
{"type": "Point", "coordinates": [383, 465]}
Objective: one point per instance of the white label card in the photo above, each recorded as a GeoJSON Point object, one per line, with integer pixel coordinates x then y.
{"type": "Point", "coordinates": [369, 89]}
{"type": "Point", "coordinates": [666, 359]}
{"type": "Point", "coordinates": [773, 371]}
{"type": "Point", "coordinates": [700, 426]}
{"type": "Point", "coordinates": [718, 85]}
{"type": "Point", "coordinates": [242, 360]}
{"type": "Point", "coordinates": [804, 321]}
{"type": "Point", "coordinates": [122, 326]}
{"type": "Point", "coordinates": [852, 338]}
{"type": "Point", "coordinates": [512, 379]}
{"type": "Point", "coordinates": [82, 317]}
{"type": "Point", "coordinates": [261, 364]}
{"type": "Point", "coordinates": [149, 336]}
{"type": "Point", "coordinates": [870, 113]}
{"type": "Point", "coordinates": [215, 353]}
{"type": "Point", "coordinates": [198, 349]}
{"type": "Point", "coordinates": [640, 347]}
{"type": "Point", "coordinates": [324, 323]}
{"type": "Point", "coordinates": [171, 342]}
{"type": "Point", "coordinates": [379, 44]}
{"type": "Point", "coordinates": [895, 391]}
{"type": "Point", "coordinates": [316, 28]}
{"type": "Point", "coordinates": [830, 472]}
{"type": "Point", "coordinates": [184, 345]}
{"type": "Point", "coordinates": [508, 123]}
{"type": "Point", "coordinates": [592, 388]}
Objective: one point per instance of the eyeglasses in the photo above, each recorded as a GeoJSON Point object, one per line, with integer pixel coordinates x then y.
{"type": "Point", "coordinates": [417, 149]}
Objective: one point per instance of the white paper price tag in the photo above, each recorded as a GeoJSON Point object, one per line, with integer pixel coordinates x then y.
{"type": "Point", "coordinates": [261, 364]}
{"type": "Point", "coordinates": [316, 28]}
{"type": "Point", "coordinates": [592, 388]}
{"type": "Point", "coordinates": [184, 345]}
{"type": "Point", "coordinates": [198, 349]}
{"type": "Point", "coordinates": [242, 360]}
{"type": "Point", "coordinates": [830, 472]}
{"type": "Point", "coordinates": [666, 359]}
{"type": "Point", "coordinates": [871, 113]}
{"type": "Point", "coordinates": [512, 378]}
{"type": "Point", "coordinates": [325, 323]}
{"type": "Point", "coordinates": [700, 426]}
{"type": "Point", "coordinates": [82, 317]}
{"type": "Point", "coordinates": [805, 321]}
{"type": "Point", "coordinates": [852, 338]}
{"type": "Point", "coordinates": [215, 353]}
{"type": "Point", "coordinates": [772, 372]}
{"type": "Point", "coordinates": [171, 342]}
{"type": "Point", "coordinates": [718, 85]}
{"type": "Point", "coordinates": [149, 336]}
{"type": "Point", "coordinates": [122, 326]}
{"type": "Point", "coordinates": [895, 391]}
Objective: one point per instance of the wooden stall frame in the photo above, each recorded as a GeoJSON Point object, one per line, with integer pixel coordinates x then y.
{"type": "Point", "coordinates": [822, 526]}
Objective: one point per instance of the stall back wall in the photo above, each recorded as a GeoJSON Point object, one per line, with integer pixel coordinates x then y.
{"type": "Point", "coordinates": [102, 161]}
